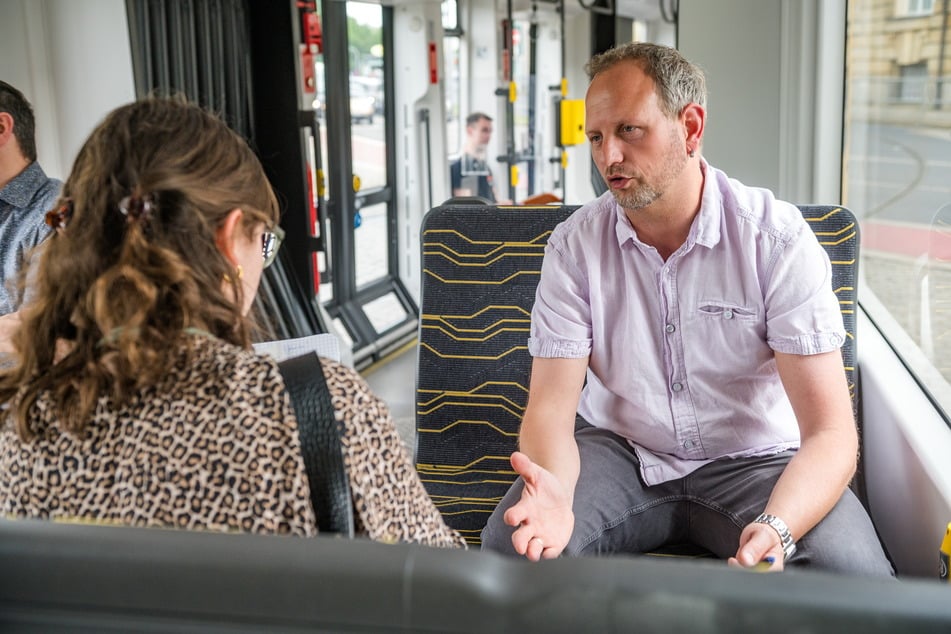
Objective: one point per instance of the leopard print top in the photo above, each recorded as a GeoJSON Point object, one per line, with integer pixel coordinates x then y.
{"type": "Point", "coordinates": [214, 447]}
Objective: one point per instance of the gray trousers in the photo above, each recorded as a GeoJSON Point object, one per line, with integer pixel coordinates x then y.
{"type": "Point", "coordinates": [616, 513]}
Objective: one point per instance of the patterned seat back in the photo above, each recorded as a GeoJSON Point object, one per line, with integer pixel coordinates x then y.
{"type": "Point", "coordinates": [480, 267]}
{"type": "Point", "coordinates": [838, 233]}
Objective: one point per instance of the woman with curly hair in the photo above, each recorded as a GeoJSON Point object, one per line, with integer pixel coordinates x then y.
{"type": "Point", "coordinates": [135, 397]}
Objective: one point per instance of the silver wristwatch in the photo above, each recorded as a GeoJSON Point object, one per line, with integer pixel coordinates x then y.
{"type": "Point", "coordinates": [785, 537]}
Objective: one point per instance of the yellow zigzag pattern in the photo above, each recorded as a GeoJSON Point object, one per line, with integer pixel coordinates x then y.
{"type": "Point", "coordinates": [476, 255]}
{"type": "Point", "coordinates": [446, 469]}
{"type": "Point", "coordinates": [482, 282]}
{"type": "Point", "coordinates": [473, 356]}
{"type": "Point", "coordinates": [473, 391]}
{"type": "Point", "coordinates": [831, 213]}
{"type": "Point", "coordinates": [445, 326]}
{"type": "Point", "coordinates": [505, 477]}
{"type": "Point", "coordinates": [497, 251]}
{"type": "Point", "coordinates": [498, 244]}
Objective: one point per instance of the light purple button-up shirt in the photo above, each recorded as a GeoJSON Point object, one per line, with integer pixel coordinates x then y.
{"type": "Point", "coordinates": [681, 352]}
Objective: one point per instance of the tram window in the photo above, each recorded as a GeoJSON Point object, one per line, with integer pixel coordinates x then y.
{"type": "Point", "coordinates": [450, 17]}
{"type": "Point", "coordinates": [896, 159]}
{"type": "Point", "coordinates": [385, 312]}
{"type": "Point", "coordinates": [907, 8]}
{"type": "Point", "coordinates": [912, 82]}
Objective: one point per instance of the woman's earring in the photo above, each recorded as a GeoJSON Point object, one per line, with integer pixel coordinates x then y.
{"type": "Point", "coordinates": [238, 272]}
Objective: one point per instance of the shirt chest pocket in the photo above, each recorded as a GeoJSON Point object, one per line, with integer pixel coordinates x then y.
{"type": "Point", "coordinates": [727, 312]}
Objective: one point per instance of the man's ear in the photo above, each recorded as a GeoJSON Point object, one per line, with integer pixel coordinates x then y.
{"type": "Point", "coordinates": [6, 128]}
{"type": "Point", "coordinates": [693, 117]}
{"type": "Point", "coordinates": [224, 236]}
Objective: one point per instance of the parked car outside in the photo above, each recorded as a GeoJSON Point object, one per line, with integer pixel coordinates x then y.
{"type": "Point", "coordinates": [374, 86]}
{"type": "Point", "coordinates": [363, 104]}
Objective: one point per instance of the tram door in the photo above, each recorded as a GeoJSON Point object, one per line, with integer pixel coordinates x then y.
{"type": "Point", "coordinates": [359, 282]}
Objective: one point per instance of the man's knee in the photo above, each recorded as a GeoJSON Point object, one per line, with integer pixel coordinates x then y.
{"type": "Point", "coordinates": [497, 535]}
{"type": "Point", "coordinates": [853, 556]}
{"type": "Point", "coordinates": [845, 541]}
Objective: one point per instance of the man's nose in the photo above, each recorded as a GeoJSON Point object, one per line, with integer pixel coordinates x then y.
{"type": "Point", "coordinates": [611, 151]}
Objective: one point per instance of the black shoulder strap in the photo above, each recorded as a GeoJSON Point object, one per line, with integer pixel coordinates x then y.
{"type": "Point", "coordinates": [320, 444]}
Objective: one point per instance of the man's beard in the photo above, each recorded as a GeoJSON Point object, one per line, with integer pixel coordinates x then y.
{"type": "Point", "coordinates": [638, 197]}
{"type": "Point", "coordinates": [645, 193]}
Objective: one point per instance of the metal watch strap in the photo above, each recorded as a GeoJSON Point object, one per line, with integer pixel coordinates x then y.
{"type": "Point", "coordinates": [785, 537]}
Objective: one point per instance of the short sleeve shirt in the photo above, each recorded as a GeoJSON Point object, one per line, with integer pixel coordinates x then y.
{"type": "Point", "coordinates": [24, 202]}
{"type": "Point", "coordinates": [681, 352]}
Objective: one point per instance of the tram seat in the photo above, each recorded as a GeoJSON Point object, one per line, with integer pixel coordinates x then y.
{"type": "Point", "coordinates": [480, 267]}
{"type": "Point", "coordinates": [82, 578]}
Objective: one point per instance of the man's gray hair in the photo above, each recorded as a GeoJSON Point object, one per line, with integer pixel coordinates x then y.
{"type": "Point", "coordinates": [677, 80]}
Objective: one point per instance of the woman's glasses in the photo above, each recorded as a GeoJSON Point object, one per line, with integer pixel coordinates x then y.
{"type": "Point", "coordinates": [270, 243]}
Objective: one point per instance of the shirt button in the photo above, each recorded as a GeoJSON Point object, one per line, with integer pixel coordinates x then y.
{"type": "Point", "coordinates": [670, 328]}
{"type": "Point", "coordinates": [676, 387]}
{"type": "Point", "coordinates": [688, 444]}
{"type": "Point", "coordinates": [728, 314]}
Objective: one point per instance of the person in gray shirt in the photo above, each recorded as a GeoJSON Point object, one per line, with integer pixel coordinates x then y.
{"type": "Point", "coordinates": [26, 194]}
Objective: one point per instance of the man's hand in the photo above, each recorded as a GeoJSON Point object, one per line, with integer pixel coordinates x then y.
{"type": "Point", "coordinates": [543, 515]}
{"type": "Point", "coordinates": [757, 542]}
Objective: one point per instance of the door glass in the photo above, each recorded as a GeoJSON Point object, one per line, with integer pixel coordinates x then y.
{"type": "Point", "coordinates": [365, 32]}
{"type": "Point", "coordinates": [370, 240]}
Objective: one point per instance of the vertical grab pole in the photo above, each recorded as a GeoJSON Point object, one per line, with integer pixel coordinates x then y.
{"type": "Point", "coordinates": [532, 57]}
{"type": "Point", "coordinates": [508, 50]}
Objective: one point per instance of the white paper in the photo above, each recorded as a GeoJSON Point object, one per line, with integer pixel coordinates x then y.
{"type": "Point", "coordinates": [326, 345]}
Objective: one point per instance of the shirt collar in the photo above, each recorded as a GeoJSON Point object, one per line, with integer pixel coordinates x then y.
{"type": "Point", "coordinates": [20, 191]}
{"type": "Point", "coordinates": [705, 229]}
{"type": "Point", "coordinates": [706, 226]}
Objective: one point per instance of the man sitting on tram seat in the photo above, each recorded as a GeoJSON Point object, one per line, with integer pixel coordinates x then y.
{"type": "Point", "coordinates": [26, 194]}
{"type": "Point", "coordinates": [469, 173]}
{"type": "Point", "coordinates": [134, 396]}
{"type": "Point", "coordinates": [716, 409]}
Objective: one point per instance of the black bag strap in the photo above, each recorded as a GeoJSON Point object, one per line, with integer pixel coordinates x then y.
{"type": "Point", "coordinates": [320, 444]}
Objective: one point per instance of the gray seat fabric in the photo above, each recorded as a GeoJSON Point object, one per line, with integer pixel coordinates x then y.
{"type": "Point", "coordinates": [82, 578]}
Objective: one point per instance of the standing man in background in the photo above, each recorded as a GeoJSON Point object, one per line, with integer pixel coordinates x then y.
{"type": "Point", "coordinates": [470, 174]}
{"type": "Point", "coordinates": [26, 194]}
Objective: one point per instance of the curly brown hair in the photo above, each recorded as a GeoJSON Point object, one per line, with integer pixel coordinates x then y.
{"type": "Point", "coordinates": [114, 294]}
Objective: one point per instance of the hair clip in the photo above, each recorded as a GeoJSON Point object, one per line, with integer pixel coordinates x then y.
{"type": "Point", "coordinates": [58, 218]}
{"type": "Point", "coordinates": [134, 207]}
